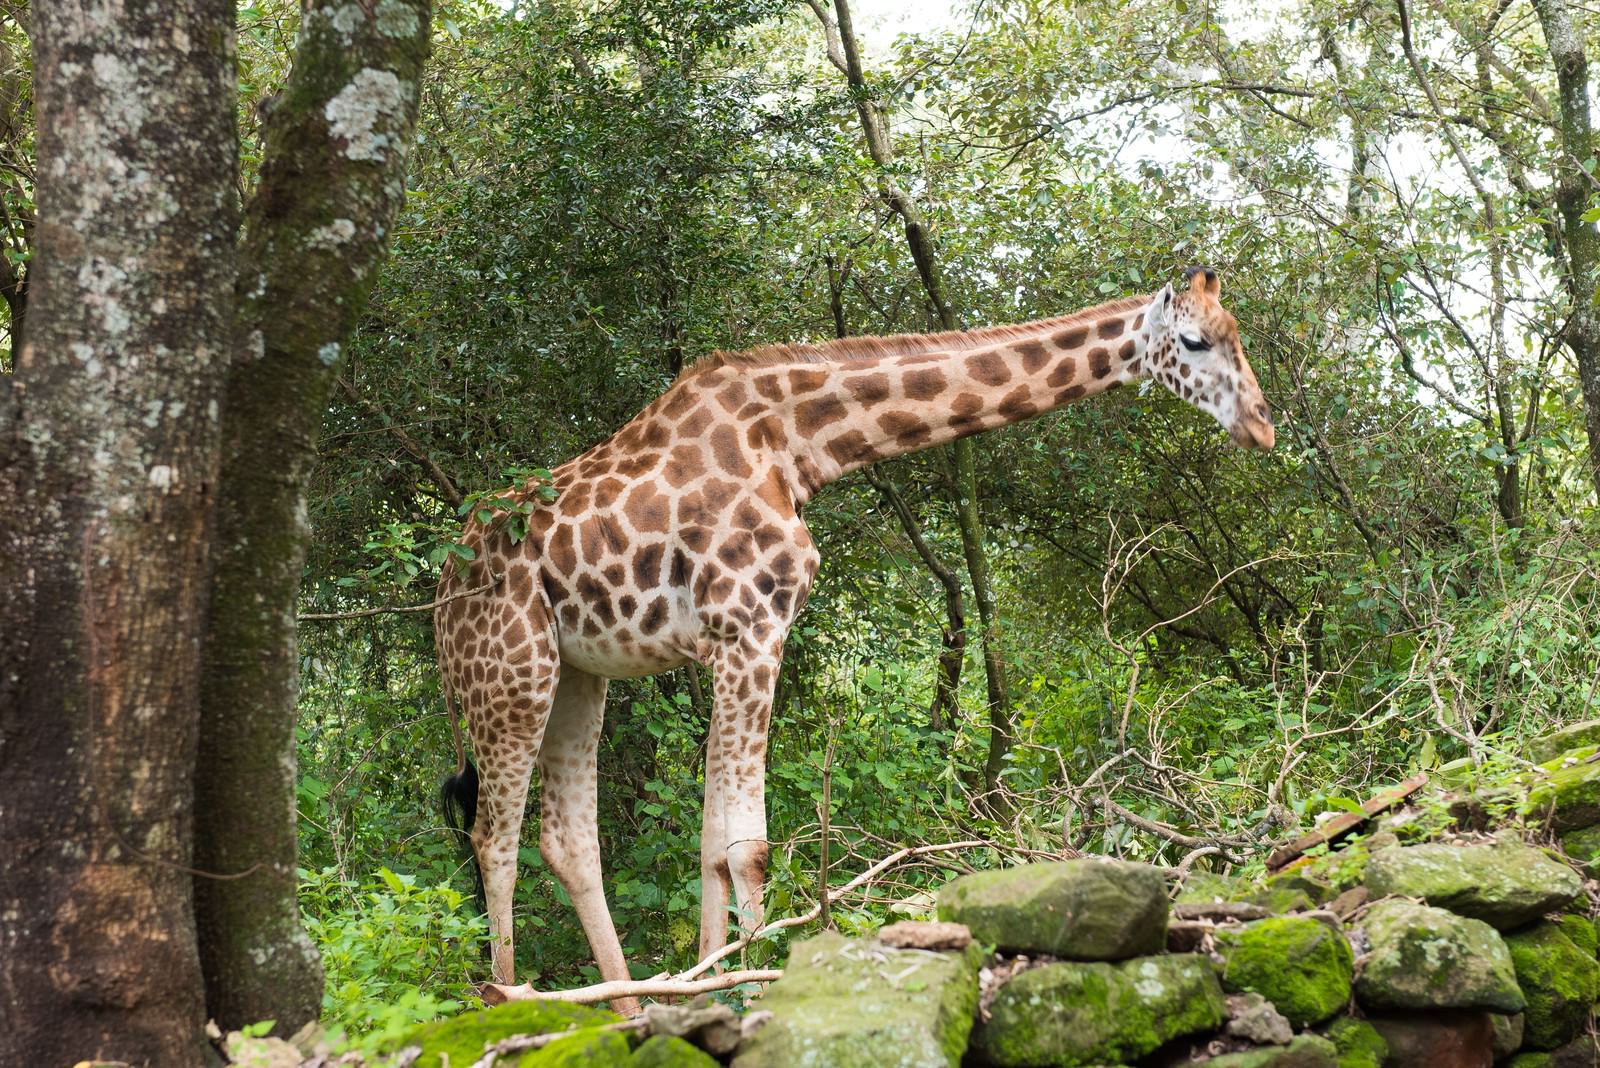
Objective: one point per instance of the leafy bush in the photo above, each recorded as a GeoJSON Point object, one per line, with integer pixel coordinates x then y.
{"type": "Point", "coordinates": [396, 954]}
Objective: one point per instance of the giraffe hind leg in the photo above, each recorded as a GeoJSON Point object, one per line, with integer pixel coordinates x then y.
{"type": "Point", "coordinates": [507, 710]}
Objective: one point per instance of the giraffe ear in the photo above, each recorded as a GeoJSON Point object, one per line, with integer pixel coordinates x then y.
{"type": "Point", "coordinates": [1160, 310]}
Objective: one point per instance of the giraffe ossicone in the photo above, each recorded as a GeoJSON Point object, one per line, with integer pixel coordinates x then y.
{"type": "Point", "coordinates": [679, 540]}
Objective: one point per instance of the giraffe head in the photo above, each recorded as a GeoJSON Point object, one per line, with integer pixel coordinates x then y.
{"type": "Point", "coordinates": [1194, 351]}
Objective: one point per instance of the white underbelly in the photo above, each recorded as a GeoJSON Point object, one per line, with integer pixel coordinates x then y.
{"type": "Point", "coordinates": [605, 658]}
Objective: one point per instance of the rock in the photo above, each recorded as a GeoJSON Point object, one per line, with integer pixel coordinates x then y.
{"type": "Point", "coordinates": [1507, 1033]}
{"type": "Point", "coordinates": [261, 1052]}
{"type": "Point", "coordinates": [1573, 736]}
{"type": "Point", "coordinates": [1579, 1053]}
{"type": "Point", "coordinates": [1437, 1040]}
{"type": "Point", "coordinates": [1253, 1017]}
{"type": "Point", "coordinates": [1566, 796]}
{"type": "Point", "coordinates": [1281, 900]}
{"type": "Point", "coordinates": [925, 934]}
{"type": "Point", "coordinates": [1188, 936]}
{"type": "Point", "coordinates": [1306, 879]}
{"type": "Point", "coordinates": [1583, 846]}
{"type": "Point", "coordinates": [1299, 964]}
{"type": "Point", "coordinates": [1307, 1051]}
{"type": "Point", "coordinates": [1426, 958]}
{"type": "Point", "coordinates": [711, 1025]}
{"type": "Point", "coordinates": [1092, 1013]}
{"type": "Point", "coordinates": [667, 1051]}
{"type": "Point", "coordinates": [1077, 909]}
{"type": "Point", "coordinates": [586, 1049]}
{"type": "Point", "coordinates": [1219, 910]}
{"type": "Point", "coordinates": [1345, 905]}
{"type": "Point", "coordinates": [462, 1038]}
{"type": "Point", "coordinates": [1559, 980]}
{"type": "Point", "coordinates": [1505, 885]}
{"type": "Point", "coordinates": [1358, 1043]}
{"type": "Point", "coordinates": [1581, 930]}
{"type": "Point", "coordinates": [1205, 887]}
{"type": "Point", "coordinates": [843, 1003]}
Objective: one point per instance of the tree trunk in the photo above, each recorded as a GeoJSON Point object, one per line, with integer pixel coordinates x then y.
{"type": "Point", "coordinates": [945, 709]}
{"type": "Point", "coordinates": [844, 54]}
{"type": "Point", "coordinates": [108, 448]}
{"type": "Point", "coordinates": [315, 233]}
{"type": "Point", "coordinates": [1573, 185]}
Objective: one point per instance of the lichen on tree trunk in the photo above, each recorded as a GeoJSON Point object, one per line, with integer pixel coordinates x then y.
{"type": "Point", "coordinates": [110, 447]}
{"type": "Point", "coordinates": [315, 234]}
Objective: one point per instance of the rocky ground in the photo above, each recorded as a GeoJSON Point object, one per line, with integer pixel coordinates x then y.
{"type": "Point", "coordinates": [1456, 933]}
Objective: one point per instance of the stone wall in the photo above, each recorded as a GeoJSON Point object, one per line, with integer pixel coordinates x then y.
{"type": "Point", "coordinates": [1455, 933]}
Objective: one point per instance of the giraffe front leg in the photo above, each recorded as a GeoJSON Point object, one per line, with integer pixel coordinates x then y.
{"type": "Point", "coordinates": [745, 685]}
{"type": "Point", "coordinates": [715, 882]}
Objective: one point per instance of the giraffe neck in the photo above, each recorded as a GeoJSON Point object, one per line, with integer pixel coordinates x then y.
{"type": "Point", "coordinates": [833, 417]}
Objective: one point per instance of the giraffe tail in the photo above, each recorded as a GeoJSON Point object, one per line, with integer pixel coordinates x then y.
{"type": "Point", "coordinates": [458, 802]}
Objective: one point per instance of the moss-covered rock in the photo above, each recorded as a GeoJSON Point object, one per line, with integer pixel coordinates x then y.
{"type": "Point", "coordinates": [1357, 1043]}
{"type": "Point", "coordinates": [1206, 887]}
{"type": "Point", "coordinates": [1579, 1053]}
{"type": "Point", "coordinates": [1426, 958]}
{"type": "Point", "coordinates": [1303, 966]}
{"type": "Point", "coordinates": [586, 1049]}
{"type": "Point", "coordinates": [665, 1051]}
{"type": "Point", "coordinates": [464, 1037]}
{"type": "Point", "coordinates": [1581, 930]}
{"type": "Point", "coordinates": [844, 1002]}
{"type": "Point", "coordinates": [1077, 909]}
{"type": "Point", "coordinates": [1306, 1051]}
{"type": "Point", "coordinates": [1573, 736]}
{"type": "Point", "coordinates": [1506, 884]}
{"type": "Point", "coordinates": [1507, 1033]}
{"type": "Point", "coordinates": [1559, 980]}
{"type": "Point", "coordinates": [1093, 1013]}
{"type": "Point", "coordinates": [1280, 900]}
{"type": "Point", "coordinates": [1583, 846]}
{"type": "Point", "coordinates": [1565, 793]}
{"type": "Point", "coordinates": [1306, 879]}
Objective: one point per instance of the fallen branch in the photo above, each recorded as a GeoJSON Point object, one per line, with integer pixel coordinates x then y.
{"type": "Point", "coordinates": [1345, 822]}
{"type": "Point", "coordinates": [816, 910]}
{"type": "Point", "coordinates": [685, 983]}
{"type": "Point", "coordinates": [362, 613]}
{"type": "Point", "coordinates": [498, 993]}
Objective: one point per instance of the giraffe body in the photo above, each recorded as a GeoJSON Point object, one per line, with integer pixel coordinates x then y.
{"type": "Point", "coordinates": [680, 540]}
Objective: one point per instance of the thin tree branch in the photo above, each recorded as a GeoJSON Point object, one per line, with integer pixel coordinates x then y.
{"type": "Point", "coordinates": [362, 613]}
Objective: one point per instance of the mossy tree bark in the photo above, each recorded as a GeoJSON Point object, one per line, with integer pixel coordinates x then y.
{"type": "Point", "coordinates": [315, 233]}
{"type": "Point", "coordinates": [109, 442]}
{"type": "Point", "coordinates": [1574, 189]}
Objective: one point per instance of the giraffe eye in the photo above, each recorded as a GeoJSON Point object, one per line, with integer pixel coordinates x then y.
{"type": "Point", "coordinates": [1192, 343]}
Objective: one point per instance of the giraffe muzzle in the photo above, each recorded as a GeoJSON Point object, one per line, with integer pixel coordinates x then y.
{"type": "Point", "coordinates": [1253, 428]}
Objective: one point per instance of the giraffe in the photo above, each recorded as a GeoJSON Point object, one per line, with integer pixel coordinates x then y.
{"type": "Point", "coordinates": [679, 540]}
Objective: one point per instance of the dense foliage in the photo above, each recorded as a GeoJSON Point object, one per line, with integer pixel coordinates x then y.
{"type": "Point", "coordinates": [1206, 648]}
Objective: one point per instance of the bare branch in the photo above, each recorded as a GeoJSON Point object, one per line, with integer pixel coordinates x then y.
{"type": "Point", "coordinates": [362, 613]}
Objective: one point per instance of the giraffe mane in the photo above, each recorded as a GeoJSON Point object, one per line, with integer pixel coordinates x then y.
{"type": "Point", "coordinates": [866, 346]}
